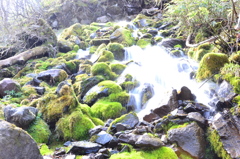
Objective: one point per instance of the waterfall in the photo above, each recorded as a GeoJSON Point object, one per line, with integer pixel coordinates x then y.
{"type": "Point", "coordinates": [155, 67]}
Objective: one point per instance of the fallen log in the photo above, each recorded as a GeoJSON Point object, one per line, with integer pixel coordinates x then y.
{"type": "Point", "coordinates": [24, 56]}
{"type": "Point", "coordinates": [202, 42]}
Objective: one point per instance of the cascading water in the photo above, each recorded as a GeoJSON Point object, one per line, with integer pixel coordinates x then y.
{"type": "Point", "coordinates": [154, 66]}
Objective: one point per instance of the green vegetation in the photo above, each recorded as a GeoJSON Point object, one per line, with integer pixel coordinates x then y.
{"type": "Point", "coordinates": [39, 131]}
{"type": "Point", "coordinates": [161, 153]}
{"type": "Point", "coordinates": [117, 49]}
{"type": "Point", "coordinates": [210, 65]}
{"type": "Point", "coordinates": [117, 68]}
{"type": "Point", "coordinates": [217, 145]}
{"type": "Point", "coordinates": [101, 68]}
{"type": "Point", "coordinates": [143, 43]}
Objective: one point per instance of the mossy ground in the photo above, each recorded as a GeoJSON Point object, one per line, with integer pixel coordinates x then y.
{"type": "Point", "coordinates": [161, 153]}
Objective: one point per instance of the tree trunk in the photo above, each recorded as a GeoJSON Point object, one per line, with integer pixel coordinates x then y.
{"type": "Point", "coordinates": [24, 56]}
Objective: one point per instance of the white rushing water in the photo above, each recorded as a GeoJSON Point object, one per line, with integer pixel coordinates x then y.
{"type": "Point", "coordinates": [156, 67]}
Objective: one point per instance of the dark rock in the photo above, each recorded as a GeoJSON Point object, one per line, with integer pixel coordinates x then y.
{"type": "Point", "coordinates": [17, 143]}
{"type": "Point", "coordinates": [151, 117]}
{"type": "Point", "coordinates": [103, 138]}
{"type": "Point", "coordinates": [97, 42]}
{"type": "Point", "coordinates": [88, 83]}
{"type": "Point", "coordinates": [64, 46]}
{"type": "Point", "coordinates": [146, 141]}
{"type": "Point", "coordinates": [40, 90]}
{"type": "Point", "coordinates": [100, 156]}
{"type": "Point", "coordinates": [68, 143]}
{"type": "Point", "coordinates": [21, 117]}
{"type": "Point", "coordinates": [34, 82]}
{"type": "Point", "coordinates": [108, 122]}
{"type": "Point", "coordinates": [128, 138]}
{"type": "Point", "coordinates": [146, 94]}
{"type": "Point", "coordinates": [121, 127]}
{"type": "Point", "coordinates": [5, 73]}
{"type": "Point", "coordinates": [228, 127]}
{"type": "Point", "coordinates": [195, 107]}
{"type": "Point", "coordinates": [190, 139]}
{"type": "Point", "coordinates": [185, 94]}
{"type": "Point", "coordinates": [103, 19]}
{"type": "Point", "coordinates": [8, 84]}
{"type": "Point", "coordinates": [170, 43]}
{"type": "Point", "coordinates": [83, 148]}
{"type": "Point", "coordinates": [162, 110]}
{"type": "Point", "coordinates": [95, 130]}
{"type": "Point", "coordinates": [113, 143]}
{"type": "Point", "coordinates": [52, 76]}
{"type": "Point", "coordinates": [195, 116]}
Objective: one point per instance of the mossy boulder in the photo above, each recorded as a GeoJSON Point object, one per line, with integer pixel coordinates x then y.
{"type": "Point", "coordinates": [53, 107]}
{"type": "Point", "coordinates": [102, 69]}
{"type": "Point", "coordinates": [39, 130]}
{"type": "Point", "coordinates": [106, 110]}
{"type": "Point", "coordinates": [144, 42]}
{"type": "Point", "coordinates": [210, 65]}
{"type": "Point", "coordinates": [143, 21]}
{"type": "Point", "coordinates": [235, 58]}
{"type": "Point", "coordinates": [74, 126]}
{"type": "Point", "coordinates": [117, 49]}
{"type": "Point", "coordinates": [53, 76]}
{"type": "Point", "coordinates": [198, 53]}
{"type": "Point", "coordinates": [123, 36]}
{"type": "Point", "coordinates": [106, 56]}
{"type": "Point", "coordinates": [117, 68]}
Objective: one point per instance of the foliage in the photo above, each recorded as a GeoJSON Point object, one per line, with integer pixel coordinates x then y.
{"type": "Point", "coordinates": [13, 93]}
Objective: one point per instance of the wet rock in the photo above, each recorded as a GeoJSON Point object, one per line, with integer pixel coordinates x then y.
{"type": "Point", "coordinates": [162, 110]}
{"type": "Point", "coordinates": [40, 90]}
{"type": "Point", "coordinates": [87, 84]}
{"type": "Point", "coordinates": [103, 138]}
{"type": "Point", "coordinates": [5, 73]}
{"type": "Point", "coordinates": [21, 117]}
{"type": "Point", "coordinates": [190, 139]}
{"type": "Point", "coordinates": [83, 148]}
{"type": "Point", "coordinates": [150, 117]}
{"type": "Point", "coordinates": [113, 143]}
{"type": "Point", "coordinates": [228, 127]}
{"type": "Point", "coordinates": [103, 19]}
{"type": "Point", "coordinates": [34, 82]}
{"type": "Point", "coordinates": [108, 122]}
{"type": "Point", "coordinates": [195, 116]}
{"type": "Point", "coordinates": [146, 141]}
{"type": "Point", "coordinates": [64, 46]}
{"type": "Point", "coordinates": [170, 43]}
{"type": "Point", "coordinates": [94, 94]}
{"type": "Point", "coordinates": [185, 94]}
{"type": "Point", "coordinates": [226, 91]}
{"type": "Point", "coordinates": [122, 36]}
{"type": "Point", "coordinates": [195, 107]}
{"type": "Point", "coordinates": [16, 143]}
{"type": "Point", "coordinates": [129, 120]}
{"type": "Point", "coordinates": [52, 76]}
{"type": "Point", "coordinates": [8, 84]}
{"type": "Point", "coordinates": [128, 138]}
{"type": "Point", "coordinates": [95, 130]}
{"type": "Point", "coordinates": [97, 42]}
{"type": "Point", "coordinates": [146, 93]}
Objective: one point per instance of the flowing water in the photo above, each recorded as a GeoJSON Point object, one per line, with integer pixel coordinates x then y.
{"type": "Point", "coordinates": [155, 67]}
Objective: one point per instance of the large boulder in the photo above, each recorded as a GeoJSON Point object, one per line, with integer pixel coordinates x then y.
{"type": "Point", "coordinates": [123, 36]}
{"type": "Point", "coordinates": [146, 141]}
{"type": "Point", "coordinates": [8, 84]}
{"type": "Point", "coordinates": [190, 139]}
{"type": "Point", "coordinates": [21, 117]}
{"type": "Point", "coordinates": [15, 143]}
{"type": "Point", "coordinates": [52, 76]}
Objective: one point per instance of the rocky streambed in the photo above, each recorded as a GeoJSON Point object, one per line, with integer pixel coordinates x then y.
{"type": "Point", "coordinates": [79, 105]}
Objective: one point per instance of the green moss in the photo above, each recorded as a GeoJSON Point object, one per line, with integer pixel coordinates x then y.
{"type": "Point", "coordinates": [117, 49]}
{"type": "Point", "coordinates": [101, 68]}
{"type": "Point", "coordinates": [143, 43]}
{"type": "Point", "coordinates": [44, 150]}
{"type": "Point", "coordinates": [75, 48]}
{"type": "Point", "coordinates": [67, 56]}
{"type": "Point", "coordinates": [129, 85]}
{"type": "Point", "coordinates": [93, 49]}
{"type": "Point", "coordinates": [210, 65]}
{"type": "Point", "coordinates": [106, 110]}
{"type": "Point", "coordinates": [217, 145]}
{"type": "Point", "coordinates": [178, 126]}
{"type": "Point", "coordinates": [97, 121]}
{"type": "Point", "coordinates": [106, 56]}
{"type": "Point", "coordinates": [231, 73]}
{"type": "Point", "coordinates": [39, 131]}
{"type": "Point", "coordinates": [235, 58]}
{"type": "Point", "coordinates": [117, 68]}
{"type": "Point", "coordinates": [124, 36]}
{"type": "Point", "coordinates": [121, 97]}
{"type": "Point", "coordinates": [112, 86]}
{"type": "Point", "coordinates": [74, 126]}
{"type": "Point", "coordinates": [161, 153]}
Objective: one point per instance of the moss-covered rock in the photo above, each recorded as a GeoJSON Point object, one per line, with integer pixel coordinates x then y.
{"type": "Point", "coordinates": [39, 131]}
{"type": "Point", "coordinates": [117, 68]}
{"type": "Point", "coordinates": [144, 42]}
{"type": "Point", "coordinates": [123, 36]}
{"type": "Point", "coordinates": [106, 110]}
{"type": "Point", "coordinates": [217, 145]}
{"type": "Point", "coordinates": [231, 73]}
{"type": "Point", "coordinates": [101, 68]}
{"type": "Point", "coordinates": [74, 126]}
{"type": "Point", "coordinates": [210, 65]}
{"type": "Point", "coordinates": [235, 58]}
{"type": "Point", "coordinates": [106, 56]}
{"type": "Point", "coordinates": [117, 49]}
